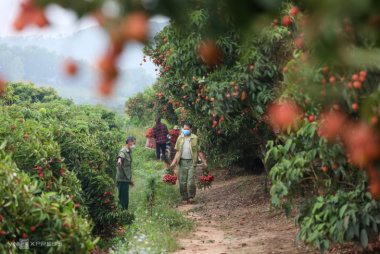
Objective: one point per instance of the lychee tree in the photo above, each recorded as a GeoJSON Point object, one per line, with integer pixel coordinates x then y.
{"type": "Point", "coordinates": [328, 151]}
{"type": "Point", "coordinates": [221, 83]}
{"type": "Point", "coordinates": [335, 40]}
{"type": "Point", "coordinates": [70, 150]}
{"type": "Point", "coordinates": [25, 212]}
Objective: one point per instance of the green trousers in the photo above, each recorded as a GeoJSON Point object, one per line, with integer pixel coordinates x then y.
{"type": "Point", "coordinates": [123, 188]}
{"type": "Point", "coordinates": [186, 177]}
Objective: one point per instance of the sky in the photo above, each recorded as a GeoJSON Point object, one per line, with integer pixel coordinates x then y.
{"type": "Point", "coordinates": [65, 22]}
{"type": "Point", "coordinates": [62, 21]}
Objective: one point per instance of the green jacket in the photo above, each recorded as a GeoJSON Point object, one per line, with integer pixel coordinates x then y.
{"type": "Point", "coordinates": [194, 147]}
{"type": "Point", "coordinates": [124, 173]}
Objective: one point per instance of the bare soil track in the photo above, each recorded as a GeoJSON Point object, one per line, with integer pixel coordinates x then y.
{"type": "Point", "coordinates": [234, 217]}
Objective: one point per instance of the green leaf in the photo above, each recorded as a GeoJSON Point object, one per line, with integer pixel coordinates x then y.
{"type": "Point", "coordinates": [342, 210]}
{"type": "Point", "coordinates": [363, 238]}
{"type": "Point", "coordinates": [350, 232]}
{"type": "Point", "coordinates": [288, 144]}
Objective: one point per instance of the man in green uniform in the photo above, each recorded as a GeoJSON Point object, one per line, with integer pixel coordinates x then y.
{"type": "Point", "coordinates": [124, 171]}
{"type": "Point", "coordinates": [187, 156]}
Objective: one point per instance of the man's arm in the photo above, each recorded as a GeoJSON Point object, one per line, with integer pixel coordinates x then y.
{"type": "Point", "coordinates": [119, 158]}
{"type": "Point", "coordinates": [175, 159]}
{"type": "Point", "coordinates": [203, 160]}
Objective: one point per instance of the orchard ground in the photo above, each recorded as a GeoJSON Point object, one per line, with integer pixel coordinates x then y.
{"type": "Point", "coordinates": [235, 216]}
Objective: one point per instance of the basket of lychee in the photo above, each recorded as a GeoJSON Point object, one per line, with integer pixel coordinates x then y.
{"type": "Point", "coordinates": [149, 133]}
{"type": "Point", "coordinates": [171, 179]}
{"type": "Point", "coordinates": [205, 181]}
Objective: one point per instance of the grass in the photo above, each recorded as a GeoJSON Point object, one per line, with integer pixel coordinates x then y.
{"type": "Point", "coordinates": [156, 227]}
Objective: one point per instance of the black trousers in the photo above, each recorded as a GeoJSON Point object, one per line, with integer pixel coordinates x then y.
{"type": "Point", "coordinates": [161, 148]}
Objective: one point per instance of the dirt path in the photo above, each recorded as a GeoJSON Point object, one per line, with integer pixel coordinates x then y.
{"type": "Point", "coordinates": [233, 217]}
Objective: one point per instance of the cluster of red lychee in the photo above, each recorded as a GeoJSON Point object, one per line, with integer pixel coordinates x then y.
{"type": "Point", "coordinates": [207, 179]}
{"type": "Point", "coordinates": [172, 179]}
{"type": "Point", "coordinates": [149, 133]}
{"type": "Point", "coordinates": [174, 134]}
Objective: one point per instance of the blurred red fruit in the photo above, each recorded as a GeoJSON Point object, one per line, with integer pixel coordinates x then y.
{"type": "Point", "coordinates": [209, 53]}
{"type": "Point", "coordinates": [30, 14]}
{"type": "Point", "coordinates": [106, 87]}
{"type": "Point", "coordinates": [243, 96]}
{"type": "Point", "coordinates": [357, 84]}
{"type": "Point", "coordinates": [2, 87]}
{"type": "Point", "coordinates": [286, 21]}
{"type": "Point", "coordinates": [71, 68]}
{"type": "Point", "coordinates": [355, 106]}
{"type": "Point", "coordinates": [363, 144]}
{"type": "Point", "coordinates": [299, 42]}
{"type": "Point", "coordinates": [284, 114]}
{"type": "Point", "coordinates": [136, 26]}
{"type": "Point", "coordinates": [374, 182]}
{"type": "Point", "coordinates": [332, 123]}
{"type": "Point", "coordinates": [374, 120]}
{"type": "Point", "coordinates": [294, 11]}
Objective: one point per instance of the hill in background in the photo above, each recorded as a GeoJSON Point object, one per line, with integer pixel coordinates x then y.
{"type": "Point", "coordinates": [40, 59]}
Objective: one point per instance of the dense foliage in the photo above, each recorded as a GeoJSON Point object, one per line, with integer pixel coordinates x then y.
{"type": "Point", "coordinates": [227, 100]}
{"type": "Point", "coordinates": [224, 99]}
{"type": "Point", "coordinates": [331, 157]}
{"type": "Point", "coordinates": [222, 63]}
{"type": "Point", "coordinates": [27, 210]}
{"type": "Point", "coordinates": [70, 150]}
